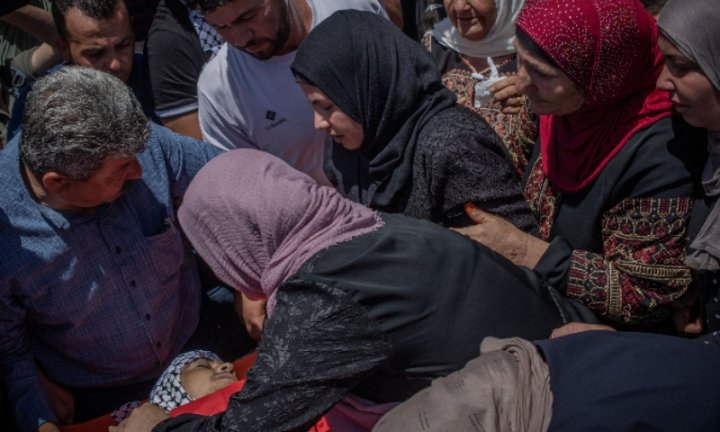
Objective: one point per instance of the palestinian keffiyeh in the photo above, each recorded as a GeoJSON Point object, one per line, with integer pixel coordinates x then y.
{"type": "Point", "coordinates": [168, 393]}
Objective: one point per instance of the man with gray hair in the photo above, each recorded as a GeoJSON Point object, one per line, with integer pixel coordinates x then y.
{"type": "Point", "coordinates": [98, 288]}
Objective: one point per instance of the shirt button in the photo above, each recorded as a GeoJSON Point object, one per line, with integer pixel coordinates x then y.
{"type": "Point", "coordinates": [118, 249]}
{"type": "Point", "coordinates": [132, 284]}
{"type": "Point", "coordinates": [147, 317]}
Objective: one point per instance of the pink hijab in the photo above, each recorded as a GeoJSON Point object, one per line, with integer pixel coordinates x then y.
{"type": "Point", "coordinates": [255, 220]}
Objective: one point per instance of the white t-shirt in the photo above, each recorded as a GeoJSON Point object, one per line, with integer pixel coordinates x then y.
{"type": "Point", "coordinates": [249, 103]}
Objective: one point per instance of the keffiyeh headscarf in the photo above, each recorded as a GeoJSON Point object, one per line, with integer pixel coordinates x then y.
{"type": "Point", "coordinates": [256, 220]}
{"type": "Point", "coordinates": [168, 393]}
{"type": "Point", "coordinates": [210, 39]}
{"type": "Point", "coordinates": [500, 41]}
{"type": "Point", "coordinates": [609, 48]}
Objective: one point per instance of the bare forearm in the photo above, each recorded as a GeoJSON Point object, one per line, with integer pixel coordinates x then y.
{"type": "Point", "coordinates": [43, 58]}
{"type": "Point", "coordinates": [186, 124]}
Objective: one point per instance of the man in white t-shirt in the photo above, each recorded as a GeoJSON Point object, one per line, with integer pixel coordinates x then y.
{"type": "Point", "coordinates": [247, 96]}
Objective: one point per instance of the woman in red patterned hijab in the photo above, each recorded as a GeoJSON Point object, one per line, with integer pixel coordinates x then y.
{"type": "Point", "coordinates": [611, 178]}
{"type": "Point", "coordinates": [609, 50]}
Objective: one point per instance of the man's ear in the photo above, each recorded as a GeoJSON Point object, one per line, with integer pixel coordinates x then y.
{"type": "Point", "coordinates": [54, 182]}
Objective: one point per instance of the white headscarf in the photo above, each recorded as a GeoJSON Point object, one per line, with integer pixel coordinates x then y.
{"type": "Point", "coordinates": [499, 42]}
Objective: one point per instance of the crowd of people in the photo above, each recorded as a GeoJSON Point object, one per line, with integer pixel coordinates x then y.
{"type": "Point", "coordinates": [509, 224]}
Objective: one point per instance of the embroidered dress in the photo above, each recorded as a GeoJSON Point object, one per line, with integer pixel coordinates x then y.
{"type": "Point", "coordinates": [517, 131]}
{"type": "Point", "coordinates": [612, 183]}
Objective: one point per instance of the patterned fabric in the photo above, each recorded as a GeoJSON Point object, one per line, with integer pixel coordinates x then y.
{"type": "Point", "coordinates": [542, 199]}
{"type": "Point", "coordinates": [210, 40]}
{"type": "Point", "coordinates": [317, 347]}
{"type": "Point", "coordinates": [124, 411]}
{"type": "Point", "coordinates": [476, 168]}
{"type": "Point", "coordinates": [642, 270]}
{"type": "Point", "coordinates": [609, 49]}
{"type": "Point", "coordinates": [168, 393]}
{"type": "Point", "coordinates": [517, 131]}
{"type": "Point", "coordinates": [104, 300]}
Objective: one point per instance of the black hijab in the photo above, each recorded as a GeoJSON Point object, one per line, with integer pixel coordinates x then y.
{"type": "Point", "coordinates": [386, 82]}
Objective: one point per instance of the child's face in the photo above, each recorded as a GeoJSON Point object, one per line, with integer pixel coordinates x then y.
{"type": "Point", "coordinates": [204, 376]}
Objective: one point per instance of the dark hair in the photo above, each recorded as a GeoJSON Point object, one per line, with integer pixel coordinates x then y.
{"type": "Point", "coordinates": [76, 118]}
{"type": "Point", "coordinates": [208, 6]}
{"type": "Point", "coordinates": [524, 40]}
{"type": "Point", "coordinates": [98, 9]}
{"type": "Point", "coordinates": [654, 6]}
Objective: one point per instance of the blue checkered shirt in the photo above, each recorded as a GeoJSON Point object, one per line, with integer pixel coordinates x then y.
{"type": "Point", "coordinates": [96, 300]}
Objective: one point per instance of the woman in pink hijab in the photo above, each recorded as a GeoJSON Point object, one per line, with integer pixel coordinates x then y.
{"type": "Point", "coordinates": [364, 308]}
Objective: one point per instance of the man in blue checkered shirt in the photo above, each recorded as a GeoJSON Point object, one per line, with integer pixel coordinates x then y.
{"type": "Point", "coordinates": [98, 288]}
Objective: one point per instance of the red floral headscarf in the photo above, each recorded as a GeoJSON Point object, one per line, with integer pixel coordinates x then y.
{"type": "Point", "coordinates": [609, 48]}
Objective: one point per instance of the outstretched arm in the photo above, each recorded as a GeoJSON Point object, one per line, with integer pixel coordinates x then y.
{"type": "Point", "coordinates": [317, 346]}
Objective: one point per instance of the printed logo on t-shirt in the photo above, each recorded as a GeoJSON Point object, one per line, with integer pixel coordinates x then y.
{"type": "Point", "coordinates": [271, 115]}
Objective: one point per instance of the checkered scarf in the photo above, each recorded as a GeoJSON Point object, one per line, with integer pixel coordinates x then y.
{"type": "Point", "coordinates": [210, 40]}
{"type": "Point", "coordinates": [168, 393]}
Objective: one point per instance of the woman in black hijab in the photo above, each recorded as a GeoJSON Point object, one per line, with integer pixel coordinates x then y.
{"type": "Point", "coordinates": [398, 142]}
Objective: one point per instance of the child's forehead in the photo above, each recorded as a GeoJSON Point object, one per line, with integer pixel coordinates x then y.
{"type": "Point", "coordinates": [190, 357]}
{"type": "Point", "coordinates": [201, 360]}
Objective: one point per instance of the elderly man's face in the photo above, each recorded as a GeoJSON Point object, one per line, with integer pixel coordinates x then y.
{"type": "Point", "coordinates": [106, 185]}
{"type": "Point", "coordinates": [105, 45]}
{"type": "Point", "coordinates": [259, 27]}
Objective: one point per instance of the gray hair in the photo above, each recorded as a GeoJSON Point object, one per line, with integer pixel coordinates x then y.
{"type": "Point", "coordinates": [76, 118]}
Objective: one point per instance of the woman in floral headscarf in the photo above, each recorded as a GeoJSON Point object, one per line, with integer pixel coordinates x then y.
{"type": "Point", "coordinates": [612, 177]}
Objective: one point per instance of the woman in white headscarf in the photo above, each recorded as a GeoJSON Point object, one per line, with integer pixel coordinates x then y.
{"type": "Point", "coordinates": [475, 52]}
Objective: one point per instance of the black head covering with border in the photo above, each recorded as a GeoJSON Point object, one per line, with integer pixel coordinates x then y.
{"type": "Point", "coordinates": [386, 82]}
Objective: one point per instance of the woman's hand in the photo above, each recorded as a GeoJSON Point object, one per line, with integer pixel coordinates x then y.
{"type": "Point", "coordinates": [504, 91]}
{"type": "Point", "coordinates": [253, 314]}
{"type": "Point", "coordinates": [503, 237]}
{"type": "Point", "coordinates": [577, 327]}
